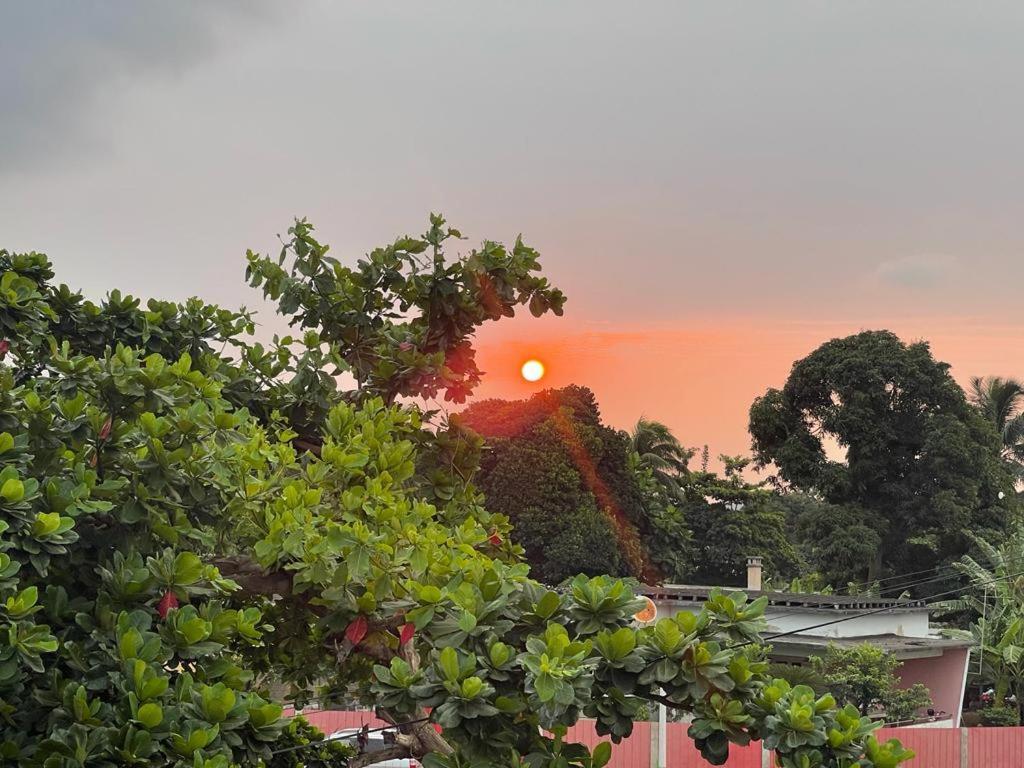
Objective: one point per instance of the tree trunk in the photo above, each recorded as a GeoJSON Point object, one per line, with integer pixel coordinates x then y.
{"type": "Point", "coordinates": [875, 566]}
{"type": "Point", "coordinates": [1002, 689]}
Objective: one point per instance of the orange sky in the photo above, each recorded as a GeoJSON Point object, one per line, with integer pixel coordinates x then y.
{"type": "Point", "coordinates": [700, 379]}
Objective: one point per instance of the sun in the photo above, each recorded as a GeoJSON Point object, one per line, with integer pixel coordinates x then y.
{"type": "Point", "coordinates": [533, 370]}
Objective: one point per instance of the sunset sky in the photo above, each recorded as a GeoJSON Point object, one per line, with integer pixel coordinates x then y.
{"type": "Point", "coordinates": [718, 187]}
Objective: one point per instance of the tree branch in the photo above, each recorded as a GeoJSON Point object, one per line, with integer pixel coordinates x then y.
{"type": "Point", "coordinates": [392, 752]}
{"type": "Point", "coordinates": [417, 733]}
{"type": "Point", "coordinates": [663, 700]}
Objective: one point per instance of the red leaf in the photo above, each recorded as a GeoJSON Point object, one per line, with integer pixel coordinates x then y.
{"type": "Point", "coordinates": [4, 346]}
{"type": "Point", "coordinates": [168, 601]}
{"type": "Point", "coordinates": [356, 631]}
{"type": "Point", "coordinates": [408, 630]}
{"type": "Point", "coordinates": [105, 430]}
{"type": "Point", "coordinates": [495, 539]}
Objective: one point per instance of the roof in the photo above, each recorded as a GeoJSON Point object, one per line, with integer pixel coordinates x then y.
{"type": "Point", "coordinates": [684, 593]}
{"type": "Point", "coordinates": [900, 646]}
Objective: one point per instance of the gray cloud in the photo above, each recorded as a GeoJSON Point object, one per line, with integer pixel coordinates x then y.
{"type": "Point", "coordinates": [59, 60]}
{"type": "Point", "coordinates": [919, 271]}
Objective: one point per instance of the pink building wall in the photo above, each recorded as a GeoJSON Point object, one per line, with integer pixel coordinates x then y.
{"type": "Point", "coordinates": [944, 676]}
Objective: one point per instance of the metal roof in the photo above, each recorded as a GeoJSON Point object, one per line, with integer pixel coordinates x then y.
{"type": "Point", "coordinates": [685, 593]}
{"type": "Point", "coordinates": [900, 646]}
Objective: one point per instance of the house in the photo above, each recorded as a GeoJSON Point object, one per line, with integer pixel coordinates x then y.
{"type": "Point", "coordinates": [813, 621]}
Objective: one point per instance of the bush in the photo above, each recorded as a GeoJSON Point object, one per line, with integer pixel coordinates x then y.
{"type": "Point", "coordinates": [300, 732]}
{"type": "Point", "coordinates": [999, 717]}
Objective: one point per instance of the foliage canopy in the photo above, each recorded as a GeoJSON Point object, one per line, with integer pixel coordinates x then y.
{"type": "Point", "coordinates": [187, 515]}
{"type": "Point", "coordinates": [879, 426]}
{"type": "Point", "coordinates": [866, 675]}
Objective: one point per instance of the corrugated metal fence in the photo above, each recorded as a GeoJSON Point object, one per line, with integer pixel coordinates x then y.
{"type": "Point", "coordinates": [935, 747]}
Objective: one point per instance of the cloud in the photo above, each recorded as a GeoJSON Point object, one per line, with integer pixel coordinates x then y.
{"type": "Point", "coordinates": [58, 59]}
{"type": "Point", "coordinates": [920, 271]}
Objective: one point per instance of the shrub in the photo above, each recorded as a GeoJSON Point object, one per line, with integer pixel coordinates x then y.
{"type": "Point", "coordinates": [999, 717]}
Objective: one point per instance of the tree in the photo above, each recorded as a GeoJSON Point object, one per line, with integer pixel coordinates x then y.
{"type": "Point", "coordinates": [664, 532]}
{"type": "Point", "coordinates": [833, 541]}
{"type": "Point", "coordinates": [660, 452]}
{"type": "Point", "coordinates": [731, 520]}
{"type": "Point", "coordinates": [563, 479]}
{"type": "Point", "coordinates": [995, 607]}
{"type": "Point", "coordinates": [873, 424]}
{"type": "Point", "coordinates": [866, 676]}
{"type": "Point", "coordinates": [188, 514]}
{"type": "Point", "coordinates": [1002, 403]}
{"type": "Point", "coordinates": [300, 745]}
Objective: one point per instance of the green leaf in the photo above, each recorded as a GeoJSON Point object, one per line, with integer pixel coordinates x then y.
{"type": "Point", "coordinates": [545, 686]}
{"type": "Point", "coordinates": [547, 605]}
{"type": "Point", "coordinates": [13, 490]}
{"type": "Point", "coordinates": [188, 569]}
{"type": "Point", "coordinates": [601, 755]}
{"type": "Point", "coordinates": [150, 715]}
{"type": "Point", "coordinates": [449, 661]}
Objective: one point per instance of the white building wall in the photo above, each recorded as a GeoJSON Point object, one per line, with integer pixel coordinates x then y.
{"type": "Point", "coordinates": [782, 619]}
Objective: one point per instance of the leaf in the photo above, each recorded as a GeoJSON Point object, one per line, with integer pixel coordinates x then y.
{"type": "Point", "coordinates": [601, 755]}
{"type": "Point", "coordinates": [167, 603]}
{"type": "Point", "coordinates": [467, 622]}
{"type": "Point", "coordinates": [188, 569]}
{"type": "Point", "coordinates": [545, 686]}
{"type": "Point", "coordinates": [471, 687]}
{"type": "Point", "coordinates": [13, 490]}
{"type": "Point", "coordinates": [356, 630]}
{"type": "Point", "coordinates": [449, 661]}
{"type": "Point", "coordinates": [150, 715]}
{"type": "Point", "coordinates": [547, 605]}
{"type": "Point", "coordinates": [407, 632]}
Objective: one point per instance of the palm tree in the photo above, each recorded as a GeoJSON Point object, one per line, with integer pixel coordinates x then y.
{"type": "Point", "coordinates": [1002, 402]}
{"type": "Point", "coordinates": [661, 452]}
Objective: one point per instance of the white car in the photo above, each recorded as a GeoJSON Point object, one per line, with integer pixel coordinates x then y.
{"type": "Point", "coordinates": [374, 743]}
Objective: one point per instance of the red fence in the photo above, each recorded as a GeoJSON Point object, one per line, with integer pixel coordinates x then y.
{"type": "Point", "coordinates": [938, 747]}
{"type": "Point", "coordinates": [934, 747]}
{"type": "Point", "coordinates": [995, 747]}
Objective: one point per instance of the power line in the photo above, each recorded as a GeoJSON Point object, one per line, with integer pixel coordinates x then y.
{"type": "Point", "coordinates": [905, 586]}
{"type": "Point", "coordinates": [897, 577]}
{"type": "Point", "coordinates": [862, 614]}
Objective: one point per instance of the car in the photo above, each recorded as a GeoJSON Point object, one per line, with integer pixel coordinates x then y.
{"type": "Point", "coordinates": [375, 742]}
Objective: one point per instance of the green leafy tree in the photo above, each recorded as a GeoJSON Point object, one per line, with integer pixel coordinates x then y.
{"type": "Point", "coordinates": [1002, 403]}
{"type": "Point", "coordinates": [834, 541]}
{"type": "Point", "coordinates": [873, 424]}
{"type": "Point", "coordinates": [866, 675]}
{"type": "Point", "coordinates": [731, 520]}
{"type": "Point", "coordinates": [188, 515]}
{"type": "Point", "coordinates": [564, 480]}
{"type": "Point", "coordinates": [301, 745]}
{"type": "Point", "coordinates": [664, 532]}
